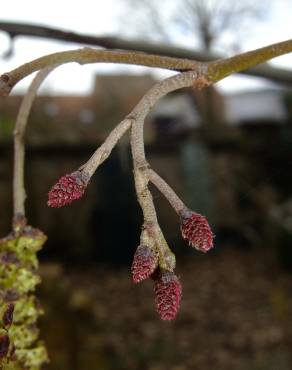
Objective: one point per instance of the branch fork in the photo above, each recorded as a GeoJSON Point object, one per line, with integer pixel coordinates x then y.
{"type": "Point", "coordinates": [153, 258]}
{"type": "Point", "coordinates": [62, 194]}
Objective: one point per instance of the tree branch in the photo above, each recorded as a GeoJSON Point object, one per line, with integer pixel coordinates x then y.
{"type": "Point", "coordinates": [138, 115]}
{"type": "Point", "coordinates": [17, 29]}
{"type": "Point", "coordinates": [151, 231]}
{"type": "Point", "coordinates": [225, 67]}
{"type": "Point", "coordinates": [88, 55]}
{"type": "Point", "coordinates": [19, 148]}
{"type": "Point", "coordinates": [213, 71]}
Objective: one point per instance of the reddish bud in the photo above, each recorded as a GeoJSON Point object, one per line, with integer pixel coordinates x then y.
{"type": "Point", "coordinates": [144, 263]}
{"type": "Point", "coordinates": [8, 316]}
{"type": "Point", "coordinates": [67, 189]}
{"type": "Point", "coordinates": [4, 345]}
{"type": "Point", "coordinates": [168, 291]}
{"type": "Point", "coordinates": [196, 230]}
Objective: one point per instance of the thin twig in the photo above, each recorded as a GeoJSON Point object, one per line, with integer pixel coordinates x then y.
{"type": "Point", "coordinates": [139, 112]}
{"type": "Point", "coordinates": [167, 191]}
{"type": "Point", "coordinates": [160, 89]}
{"type": "Point", "coordinates": [101, 154]}
{"type": "Point", "coordinates": [151, 230]}
{"type": "Point", "coordinates": [19, 194]}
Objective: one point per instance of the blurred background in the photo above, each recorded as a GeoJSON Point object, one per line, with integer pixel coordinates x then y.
{"type": "Point", "coordinates": [226, 151]}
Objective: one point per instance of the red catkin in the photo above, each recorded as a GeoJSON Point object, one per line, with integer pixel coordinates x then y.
{"type": "Point", "coordinates": [7, 318]}
{"type": "Point", "coordinates": [168, 291]}
{"type": "Point", "coordinates": [4, 345]}
{"type": "Point", "coordinates": [144, 263]}
{"type": "Point", "coordinates": [196, 230]}
{"type": "Point", "coordinates": [67, 189]}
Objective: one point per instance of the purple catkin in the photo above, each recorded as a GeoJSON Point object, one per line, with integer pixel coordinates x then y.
{"type": "Point", "coordinates": [4, 345]}
{"type": "Point", "coordinates": [144, 263]}
{"type": "Point", "coordinates": [168, 291]}
{"type": "Point", "coordinates": [67, 189]}
{"type": "Point", "coordinates": [7, 318]}
{"type": "Point", "coordinates": [196, 230]}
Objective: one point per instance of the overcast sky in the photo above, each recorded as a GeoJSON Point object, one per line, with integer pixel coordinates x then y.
{"type": "Point", "coordinates": [100, 18]}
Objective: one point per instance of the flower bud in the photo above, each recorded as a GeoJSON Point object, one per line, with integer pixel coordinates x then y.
{"type": "Point", "coordinates": [196, 230]}
{"type": "Point", "coordinates": [67, 189]}
{"type": "Point", "coordinates": [144, 263]}
{"type": "Point", "coordinates": [168, 291]}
